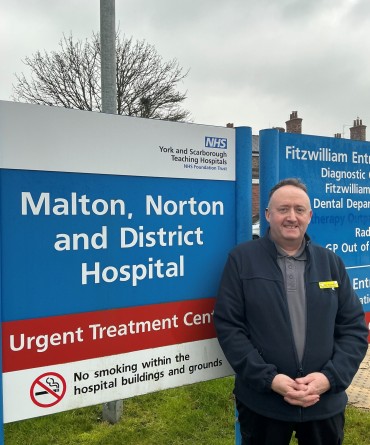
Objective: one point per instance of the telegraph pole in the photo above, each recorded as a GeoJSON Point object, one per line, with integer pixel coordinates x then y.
{"type": "Point", "coordinates": [112, 411]}
{"type": "Point", "coordinates": [108, 56]}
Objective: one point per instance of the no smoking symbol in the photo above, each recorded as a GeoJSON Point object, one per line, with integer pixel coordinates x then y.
{"type": "Point", "coordinates": [48, 389]}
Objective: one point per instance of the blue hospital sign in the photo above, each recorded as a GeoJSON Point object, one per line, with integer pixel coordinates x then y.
{"type": "Point", "coordinates": [337, 173]}
{"type": "Point", "coordinates": [114, 233]}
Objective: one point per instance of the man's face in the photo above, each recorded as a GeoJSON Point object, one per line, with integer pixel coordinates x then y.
{"type": "Point", "coordinates": [289, 214]}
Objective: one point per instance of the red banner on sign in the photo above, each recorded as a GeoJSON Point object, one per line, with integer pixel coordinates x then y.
{"type": "Point", "coordinates": [69, 338]}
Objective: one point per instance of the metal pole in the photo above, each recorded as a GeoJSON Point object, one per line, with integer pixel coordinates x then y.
{"type": "Point", "coordinates": [108, 56]}
{"type": "Point", "coordinates": [112, 411]}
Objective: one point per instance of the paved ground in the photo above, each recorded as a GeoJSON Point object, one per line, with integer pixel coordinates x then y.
{"type": "Point", "coordinates": [359, 391]}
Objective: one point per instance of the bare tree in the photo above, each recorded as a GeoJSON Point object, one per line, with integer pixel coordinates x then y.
{"type": "Point", "coordinates": [70, 77]}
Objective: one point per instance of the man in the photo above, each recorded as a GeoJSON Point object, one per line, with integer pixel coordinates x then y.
{"type": "Point", "coordinates": [291, 327]}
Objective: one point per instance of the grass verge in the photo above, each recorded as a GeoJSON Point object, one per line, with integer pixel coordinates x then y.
{"type": "Point", "coordinates": [199, 414]}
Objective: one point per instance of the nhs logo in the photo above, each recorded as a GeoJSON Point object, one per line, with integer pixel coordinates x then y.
{"type": "Point", "coordinates": [212, 142]}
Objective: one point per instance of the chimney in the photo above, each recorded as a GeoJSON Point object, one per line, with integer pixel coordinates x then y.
{"type": "Point", "coordinates": [338, 135]}
{"type": "Point", "coordinates": [230, 125]}
{"type": "Point", "coordinates": [358, 131]}
{"type": "Point", "coordinates": [294, 124]}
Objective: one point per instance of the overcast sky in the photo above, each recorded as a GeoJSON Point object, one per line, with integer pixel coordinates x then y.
{"type": "Point", "coordinates": [252, 62]}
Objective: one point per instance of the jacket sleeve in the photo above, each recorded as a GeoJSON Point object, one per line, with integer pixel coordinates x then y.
{"type": "Point", "coordinates": [232, 332]}
{"type": "Point", "coordinates": [350, 337]}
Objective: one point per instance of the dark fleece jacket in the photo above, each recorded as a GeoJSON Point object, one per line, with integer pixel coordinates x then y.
{"type": "Point", "coordinates": [254, 329]}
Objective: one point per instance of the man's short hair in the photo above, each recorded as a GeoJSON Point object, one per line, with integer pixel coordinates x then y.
{"type": "Point", "coordinates": [296, 182]}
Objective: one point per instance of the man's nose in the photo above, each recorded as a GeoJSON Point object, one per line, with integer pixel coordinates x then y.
{"type": "Point", "coordinates": [292, 213]}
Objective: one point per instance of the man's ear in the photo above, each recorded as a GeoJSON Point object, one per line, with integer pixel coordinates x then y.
{"type": "Point", "coordinates": [310, 217]}
{"type": "Point", "coordinates": [267, 214]}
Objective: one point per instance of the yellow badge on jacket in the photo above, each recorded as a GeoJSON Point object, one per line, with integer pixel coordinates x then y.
{"type": "Point", "coordinates": [328, 284]}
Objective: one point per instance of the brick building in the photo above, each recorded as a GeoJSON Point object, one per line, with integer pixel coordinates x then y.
{"type": "Point", "coordinates": [358, 131]}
